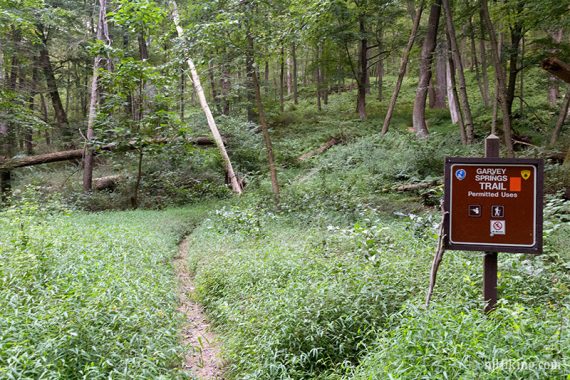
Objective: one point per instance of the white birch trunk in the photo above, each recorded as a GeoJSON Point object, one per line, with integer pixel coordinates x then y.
{"type": "Point", "coordinates": [453, 111]}
{"type": "Point", "coordinates": [236, 187]}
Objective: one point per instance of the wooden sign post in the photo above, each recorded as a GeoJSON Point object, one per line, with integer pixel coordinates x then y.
{"type": "Point", "coordinates": [493, 205]}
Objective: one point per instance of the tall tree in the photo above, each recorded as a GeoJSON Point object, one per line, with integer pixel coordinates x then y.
{"type": "Point", "coordinates": [428, 47]}
{"type": "Point", "coordinates": [103, 37]}
{"type": "Point", "coordinates": [403, 66]}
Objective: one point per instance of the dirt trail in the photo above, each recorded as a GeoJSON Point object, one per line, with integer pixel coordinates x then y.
{"type": "Point", "coordinates": [203, 356]}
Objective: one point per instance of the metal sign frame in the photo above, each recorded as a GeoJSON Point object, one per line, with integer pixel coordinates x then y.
{"type": "Point", "coordinates": [535, 248]}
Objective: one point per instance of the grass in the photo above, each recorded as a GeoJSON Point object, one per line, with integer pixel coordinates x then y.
{"type": "Point", "coordinates": [89, 295]}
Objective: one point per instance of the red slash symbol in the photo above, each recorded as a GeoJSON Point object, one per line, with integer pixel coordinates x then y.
{"type": "Point", "coordinates": [498, 225]}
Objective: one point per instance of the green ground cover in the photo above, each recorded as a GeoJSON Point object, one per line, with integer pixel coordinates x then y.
{"type": "Point", "coordinates": [89, 295]}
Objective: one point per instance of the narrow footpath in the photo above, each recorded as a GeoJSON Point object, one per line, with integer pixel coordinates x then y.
{"type": "Point", "coordinates": [203, 357]}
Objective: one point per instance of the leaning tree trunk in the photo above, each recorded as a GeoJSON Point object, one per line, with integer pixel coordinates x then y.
{"type": "Point", "coordinates": [103, 36]}
{"type": "Point", "coordinates": [236, 187]}
{"type": "Point", "coordinates": [428, 47]}
{"type": "Point", "coordinates": [561, 118]}
{"type": "Point", "coordinates": [501, 88]}
{"type": "Point", "coordinates": [458, 64]}
{"type": "Point", "coordinates": [265, 129]}
{"type": "Point", "coordinates": [403, 66]}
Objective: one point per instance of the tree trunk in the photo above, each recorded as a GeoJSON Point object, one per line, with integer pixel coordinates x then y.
{"type": "Point", "coordinates": [553, 91]}
{"type": "Point", "coordinates": [516, 37]}
{"type": "Point", "coordinates": [215, 97]}
{"type": "Point", "coordinates": [295, 89]}
{"type": "Point", "coordinates": [318, 77]}
{"type": "Point", "coordinates": [451, 97]}
{"type": "Point", "coordinates": [403, 66]}
{"type": "Point", "coordinates": [457, 116]}
{"type": "Point", "coordinates": [289, 76]}
{"type": "Point", "coordinates": [59, 111]}
{"type": "Point", "coordinates": [362, 78]}
{"type": "Point", "coordinates": [500, 76]}
{"type": "Point", "coordinates": [438, 89]}
{"type": "Point", "coordinates": [484, 65]}
{"type": "Point", "coordinates": [282, 81]}
{"type": "Point", "coordinates": [249, 67]}
{"type": "Point", "coordinates": [102, 35]}
{"type": "Point", "coordinates": [236, 186]}
{"type": "Point", "coordinates": [265, 130]}
{"type": "Point", "coordinates": [561, 117]}
{"type": "Point", "coordinates": [457, 62]}
{"type": "Point", "coordinates": [226, 86]}
{"type": "Point", "coordinates": [475, 61]}
{"type": "Point", "coordinates": [182, 93]}
{"type": "Point", "coordinates": [428, 47]}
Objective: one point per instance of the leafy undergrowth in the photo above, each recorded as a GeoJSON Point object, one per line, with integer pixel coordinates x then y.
{"type": "Point", "coordinates": [293, 300]}
{"type": "Point", "coordinates": [89, 295]}
{"type": "Point", "coordinates": [333, 285]}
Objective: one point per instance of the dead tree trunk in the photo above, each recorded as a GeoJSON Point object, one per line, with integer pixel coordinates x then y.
{"type": "Point", "coordinates": [236, 187]}
{"type": "Point", "coordinates": [403, 66]}
{"type": "Point", "coordinates": [428, 47]}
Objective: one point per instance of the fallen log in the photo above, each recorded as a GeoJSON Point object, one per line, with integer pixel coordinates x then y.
{"type": "Point", "coordinates": [323, 148]}
{"type": "Point", "coordinates": [557, 68]}
{"type": "Point", "coordinates": [75, 154]}
{"type": "Point", "coordinates": [418, 186]}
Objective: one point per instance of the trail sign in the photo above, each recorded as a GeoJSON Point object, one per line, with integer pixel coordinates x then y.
{"type": "Point", "coordinates": [493, 204]}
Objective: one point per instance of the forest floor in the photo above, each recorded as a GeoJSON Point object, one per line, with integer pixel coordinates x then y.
{"type": "Point", "coordinates": [203, 357]}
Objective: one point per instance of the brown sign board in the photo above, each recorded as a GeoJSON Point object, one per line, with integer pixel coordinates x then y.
{"type": "Point", "coordinates": [493, 204]}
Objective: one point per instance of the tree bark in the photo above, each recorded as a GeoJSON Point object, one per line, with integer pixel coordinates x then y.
{"type": "Point", "coordinates": [553, 91]}
{"type": "Point", "coordinates": [561, 118]}
{"type": "Point", "coordinates": [484, 66]}
{"type": "Point", "coordinates": [516, 37]}
{"type": "Point", "coordinates": [318, 77]}
{"type": "Point", "coordinates": [428, 47]}
{"type": "Point", "coordinates": [557, 68]}
{"type": "Point", "coordinates": [215, 97]}
{"type": "Point", "coordinates": [226, 86]}
{"type": "Point", "coordinates": [294, 58]}
{"type": "Point", "coordinates": [453, 98]}
{"type": "Point", "coordinates": [59, 111]}
{"type": "Point", "coordinates": [500, 77]}
{"type": "Point", "coordinates": [265, 130]}
{"type": "Point", "coordinates": [236, 186]}
{"type": "Point", "coordinates": [102, 35]}
{"type": "Point", "coordinates": [403, 66]}
{"type": "Point", "coordinates": [282, 81]}
{"type": "Point", "coordinates": [438, 89]}
{"type": "Point", "coordinates": [362, 78]}
{"type": "Point", "coordinates": [458, 64]}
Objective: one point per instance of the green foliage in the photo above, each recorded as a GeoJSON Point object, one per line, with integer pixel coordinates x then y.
{"type": "Point", "coordinates": [296, 302]}
{"type": "Point", "coordinates": [88, 296]}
